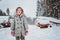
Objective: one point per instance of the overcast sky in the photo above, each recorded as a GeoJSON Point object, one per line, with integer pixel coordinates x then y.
{"type": "Point", "coordinates": [29, 6]}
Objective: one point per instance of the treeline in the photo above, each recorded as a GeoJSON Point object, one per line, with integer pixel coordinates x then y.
{"type": "Point", "coordinates": [53, 8]}
{"type": "Point", "coordinates": [3, 13]}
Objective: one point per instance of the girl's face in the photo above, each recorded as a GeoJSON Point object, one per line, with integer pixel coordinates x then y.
{"type": "Point", "coordinates": [19, 11]}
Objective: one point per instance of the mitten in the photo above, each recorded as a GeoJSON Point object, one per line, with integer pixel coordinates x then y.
{"type": "Point", "coordinates": [12, 32]}
{"type": "Point", "coordinates": [26, 31]}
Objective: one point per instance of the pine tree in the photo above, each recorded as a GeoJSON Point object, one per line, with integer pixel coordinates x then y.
{"type": "Point", "coordinates": [1, 12]}
{"type": "Point", "coordinates": [8, 11]}
{"type": "Point", "coordinates": [38, 8]}
{"type": "Point", "coordinates": [41, 8]}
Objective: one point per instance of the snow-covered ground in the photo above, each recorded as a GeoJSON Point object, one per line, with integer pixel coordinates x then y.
{"type": "Point", "coordinates": [35, 33]}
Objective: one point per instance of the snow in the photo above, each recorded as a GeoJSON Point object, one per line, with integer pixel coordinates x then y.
{"type": "Point", "coordinates": [46, 20]}
{"type": "Point", "coordinates": [35, 33]}
{"type": "Point", "coordinates": [3, 18]}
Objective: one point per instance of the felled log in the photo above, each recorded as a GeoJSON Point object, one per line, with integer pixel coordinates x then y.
{"type": "Point", "coordinates": [42, 25]}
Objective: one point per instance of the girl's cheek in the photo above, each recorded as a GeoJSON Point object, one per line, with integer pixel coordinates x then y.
{"type": "Point", "coordinates": [19, 12]}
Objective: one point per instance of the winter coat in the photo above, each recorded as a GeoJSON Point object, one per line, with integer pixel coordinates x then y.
{"type": "Point", "coordinates": [19, 25]}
